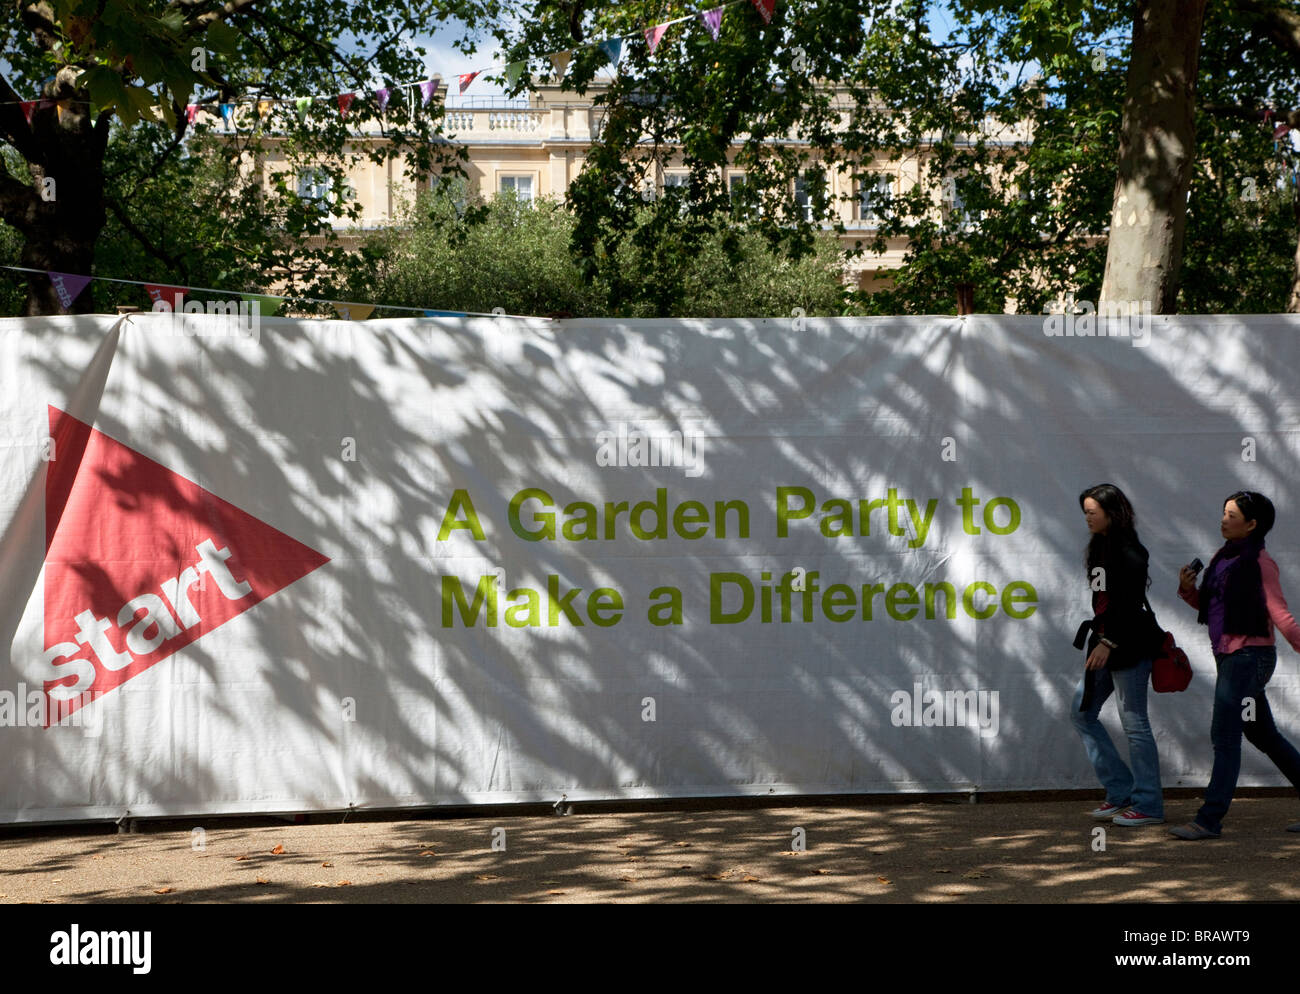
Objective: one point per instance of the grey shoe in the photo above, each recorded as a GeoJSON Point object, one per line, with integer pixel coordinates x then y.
{"type": "Point", "coordinates": [1192, 831]}
{"type": "Point", "coordinates": [1294, 828]}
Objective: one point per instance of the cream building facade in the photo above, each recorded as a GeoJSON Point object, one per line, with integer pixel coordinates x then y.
{"type": "Point", "coordinates": [535, 146]}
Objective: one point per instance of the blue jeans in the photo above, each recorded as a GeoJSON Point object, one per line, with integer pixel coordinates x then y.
{"type": "Point", "coordinates": [1242, 676]}
{"type": "Point", "coordinates": [1141, 786]}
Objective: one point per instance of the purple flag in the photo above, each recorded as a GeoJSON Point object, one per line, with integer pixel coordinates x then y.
{"type": "Point", "coordinates": [712, 20]}
{"type": "Point", "coordinates": [67, 286]}
{"type": "Point", "coordinates": [381, 97]}
{"type": "Point", "coordinates": [428, 88]}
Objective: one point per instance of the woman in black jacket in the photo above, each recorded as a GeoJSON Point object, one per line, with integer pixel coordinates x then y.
{"type": "Point", "coordinates": [1123, 641]}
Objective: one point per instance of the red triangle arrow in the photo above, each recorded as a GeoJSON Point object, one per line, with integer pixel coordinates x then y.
{"type": "Point", "coordinates": [140, 562]}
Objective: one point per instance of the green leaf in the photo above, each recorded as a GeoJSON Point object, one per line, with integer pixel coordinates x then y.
{"type": "Point", "coordinates": [222, 37]}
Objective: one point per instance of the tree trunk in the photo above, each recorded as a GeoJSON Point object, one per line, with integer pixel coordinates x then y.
{"type": "Point", "coordinates": [62, 214]}
{"type": "Point", "coordinates": [1156, 148]}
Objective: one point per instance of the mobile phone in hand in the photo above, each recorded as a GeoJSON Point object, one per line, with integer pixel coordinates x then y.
{"type": "Point", "coordinates": [1196, 566]}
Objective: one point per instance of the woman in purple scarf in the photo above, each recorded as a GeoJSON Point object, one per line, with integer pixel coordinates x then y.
{"type": "Point", "coordinates": [1240, 599]}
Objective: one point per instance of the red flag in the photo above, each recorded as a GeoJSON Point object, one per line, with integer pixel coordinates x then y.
{"type": "Point", "coordinates": [174, 295]}
{"type": "Point", "coordinates": [765, 9]}
{"type": "Point", "coordinates": [654, 35]}
{"type": "Point", "coordinates": [190, 111]}
{"type": "Point", "coordinates": [28, 107]}
{"type": "Point", "coordinates": [466, 78]}
{"type": "Point", "coordinates": [345, 101]}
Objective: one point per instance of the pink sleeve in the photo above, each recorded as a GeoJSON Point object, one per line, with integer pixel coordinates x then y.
{"type": "Point", "coordinates": [1193, 596]}
{"type": "Point", "coordinates": [1277, 609]}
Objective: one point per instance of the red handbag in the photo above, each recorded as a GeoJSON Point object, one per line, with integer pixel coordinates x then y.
{"type": "Point", "coordinates": [1170, 670]}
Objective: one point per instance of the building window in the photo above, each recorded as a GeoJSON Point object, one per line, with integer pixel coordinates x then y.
{"type": "Point", "coordinates": [677, 179]}
{"type": "Point", "coordinates": [874, 193]}
{"type": "Point", "coordinates": [314, 184]}
{"type": "Point", "coordinates": [520, 186]}
{"type": "Point", "coordinates": [736, 185]}
{"type": "Point", "coordinates": [802, 201]}
{"type": "Point", "coordinates": [958, 217]}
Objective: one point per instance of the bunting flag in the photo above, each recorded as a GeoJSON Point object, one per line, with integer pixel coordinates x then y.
{"type": "Point", "coordinates": [653, 36]}
{"type": "Point", "coordinates": [428, 88]}
{"type": "Point", "coordinates": [67, 287]}
{"type": "Point", "coordinates": [560, 60]}
{"type": "Point", "coordinates": [174, 295]}
{"type": "Point", "coordinates": [765, 9]}
{"type": "Point", "coordinates": [513, 72]}
{"type": "Point", "coordinates": [613, 48]}
{"type": "Point", "coordinates": [263, 108]}
{"type": "Point", "coordinates": [28, 107]}
{"type": "Point", "coordinates": [266, 306]}
{"type": "Point", "coordinates": [46, 103]}
{"type": "Point", "coordinates": [227, 113]}
{"type": "Point", "coordinates": [302, 103]}
{"type": "Point", "coordinates": [345, 101]}
{"type": "Point", "coordinates": [61, 106]}
{"type": "Point", "coordinates": [466, 78]}
{"type": "Point", "coordinates": [191, 111]}
{"type": "Point", "coordinates": [1281, 130]}
{"type": "Point", "coordinates": [381, 98]}
{"type": "Point", "coordinates": [353, 312]}
{"type": "Point", "coordinates": [712, 20]}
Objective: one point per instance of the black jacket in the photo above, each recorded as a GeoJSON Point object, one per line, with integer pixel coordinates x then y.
{"type": "Point", "coordinates": [1125, 619]}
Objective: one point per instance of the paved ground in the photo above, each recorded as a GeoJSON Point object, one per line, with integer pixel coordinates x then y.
{"type": "Point", "coordinates": [936, 852]}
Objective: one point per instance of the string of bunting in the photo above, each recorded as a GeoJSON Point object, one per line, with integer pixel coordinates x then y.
{"type": "Point", "coordinates": [710, 18]}
{"type": "Point", "coordinates": [68, 287]}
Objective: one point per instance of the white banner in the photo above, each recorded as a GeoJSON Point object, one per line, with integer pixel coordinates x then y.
{"type": "Point", "coordinates": [314, 565]}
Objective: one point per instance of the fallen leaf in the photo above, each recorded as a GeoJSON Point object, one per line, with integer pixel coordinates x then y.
{"type": "Point", "coordinates": [717, 876]}
{"type": "Point", "coordinates": [823, 873]}
{"type": "Point", "coordinates": [625, 845]}
{"type": "Point", "coordinates": [685, 866]}
{"type": "Point", "coordinates": [557, 892]}
{"type": "Point", "coordinates": [792, 852]}
{"type": "Point", "coordinates": [634, 859]}
{"type": "Point", "coordinates": [628, 877]}
{"type": "Point", "coordinates": [240, 859]}
{"type": "Point", "coordinates": [885, 880]}
{"type": "Point", "coordinates": [263, 880]}
{"type": "Point", "coordinates": [96, 857]}
{"type": "Point", "coordinates": [278, 851]}
{"type": "Point", "coordinates": [318, 883]}
{"type": "Point", "coordinates": [428, 852]}
{"type": "Point", "coordinates": [681, 843]}
{"type": "Point", "coordinates": [163, 890]}
{"type": "Point", "coordinates": [486, 876]}
{"type": "Point", "coordinates": [749, 880]}
{"type": "Point", "coordinates": [344, 883]}
{"type": "Point", "coordinates": [327, 864]}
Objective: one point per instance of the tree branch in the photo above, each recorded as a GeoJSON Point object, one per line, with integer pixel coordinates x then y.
{"type": "Point", "coordinates": [1280, 24]}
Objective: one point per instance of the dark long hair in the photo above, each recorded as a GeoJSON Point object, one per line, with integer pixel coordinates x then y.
{"type": "Point", "coordinates": [1102, 549]}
